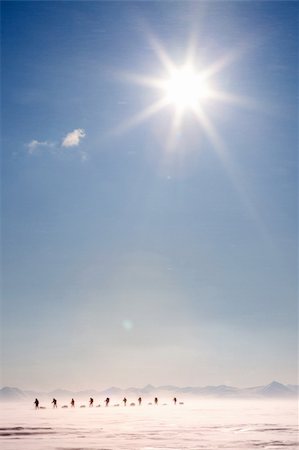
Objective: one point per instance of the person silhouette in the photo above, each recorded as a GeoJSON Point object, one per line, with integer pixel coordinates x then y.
{"type": "Point", "coordinates": [139, 401]}
{"type": "Point", "coordinates": [36, 402]}
{"type": "Point", "coordinates": [72, 403]}
{"type": "Point", "coordinates": [125, 401]}
{"type": "Point", "coordinates": [156, 400]}
{"type": "Point", "coordinates": [90, 402]}
{"type": "Point", "coordinates": [54, 401]}
{"type": "Point", "coordinates": [174, 400]}
{"type": "Point", "coordinates": [107, 401]}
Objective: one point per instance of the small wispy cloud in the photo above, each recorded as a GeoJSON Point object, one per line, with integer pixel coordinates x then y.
{"type": "Point", "coordinates": [73, 138]}
{"type": "Point", "coordinates": [34, 145]}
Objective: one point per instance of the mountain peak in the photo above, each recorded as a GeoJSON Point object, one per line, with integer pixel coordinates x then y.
{"type": "Point", "coordinates": [11, 393]}
{"type": "Point", "coordinates": [276, 389]}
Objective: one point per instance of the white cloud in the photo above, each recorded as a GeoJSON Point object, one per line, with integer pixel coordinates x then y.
{"type": "Point", "coordinates": [73, 138]}
{"type": "Point", "coordinates": [35, 144]}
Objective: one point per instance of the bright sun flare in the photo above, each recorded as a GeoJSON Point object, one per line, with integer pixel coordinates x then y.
{"type": "Point", "coordinates": [185, 88]}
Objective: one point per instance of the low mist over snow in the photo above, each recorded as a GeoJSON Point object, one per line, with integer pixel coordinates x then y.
{"type": "Point", "coordinates": [197, 424]}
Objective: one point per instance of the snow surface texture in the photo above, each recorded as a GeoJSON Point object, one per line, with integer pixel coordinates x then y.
{"type": "Point", "coordinates": [210, 425]}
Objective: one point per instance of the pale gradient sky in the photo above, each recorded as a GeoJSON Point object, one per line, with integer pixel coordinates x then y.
{"type": "Point", "coordinates": [126, 263]}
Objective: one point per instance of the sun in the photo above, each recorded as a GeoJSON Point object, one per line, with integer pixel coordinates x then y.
{"type": "Point", "coordinates": [189, 92]}
{"type": "Point", "coordinates": [185, 88]}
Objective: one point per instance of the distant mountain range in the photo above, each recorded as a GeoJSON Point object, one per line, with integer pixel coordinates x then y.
{"type": "Point", "coordinates": [272, 390]}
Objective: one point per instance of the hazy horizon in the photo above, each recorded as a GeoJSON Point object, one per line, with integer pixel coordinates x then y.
{"type": "Point", "coordinates": [103, 388]}
{"type": "Point", "coordinates": [149, 193]}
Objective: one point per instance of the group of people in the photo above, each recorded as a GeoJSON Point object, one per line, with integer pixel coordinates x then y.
{"type": "Point", "coordinates": [107, 401]}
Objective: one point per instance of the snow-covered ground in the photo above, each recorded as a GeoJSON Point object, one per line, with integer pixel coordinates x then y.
{"type": "Point", "coordinates": [227, 424]}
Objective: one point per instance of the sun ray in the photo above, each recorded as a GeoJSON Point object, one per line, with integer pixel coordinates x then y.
{"type": "Point", "coordinates": [210, 130]}
{"type": "Point", "coordinates": [175, 127]}
{"type": "Point", "coordinates": [162, 54]}
{"type": "Point", "coordinates": [143, 80]}
{"type": "Point", "coordinates": [231, 169]}
{"type": "Point", "coordinates": [191, 50]}
{"type": "Point", "coordinates": [242, 101]}
{"type": "Point", "coordinates": [141, 117]}
{"type": "Point", "coordinates": [228, 97]}
{"type": "Point", "coordinates": [223, 62]}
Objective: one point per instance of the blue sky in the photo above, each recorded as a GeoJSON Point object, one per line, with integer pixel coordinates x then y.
{"type": "Point", "coordinates": [125, 261]}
